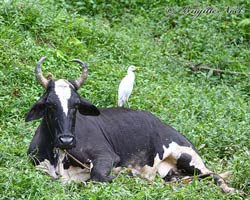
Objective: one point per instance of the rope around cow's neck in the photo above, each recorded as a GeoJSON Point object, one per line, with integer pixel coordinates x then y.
{"type": "Point", "coordinates": [75, 159]}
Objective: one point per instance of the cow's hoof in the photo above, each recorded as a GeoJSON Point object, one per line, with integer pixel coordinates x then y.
{"type": "Point", "coordinates": [103, 179]}
{"type": "Point", "coordinates": [230, 189]}
{"type": "Point", "coordinates": [110, 178]}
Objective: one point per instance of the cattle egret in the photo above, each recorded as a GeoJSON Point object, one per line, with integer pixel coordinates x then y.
{"type": "Point", "coordinates": [126, 86]}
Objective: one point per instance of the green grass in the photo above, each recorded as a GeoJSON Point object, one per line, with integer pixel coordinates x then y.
{"type": "Point", "coordinates": [212, 110]}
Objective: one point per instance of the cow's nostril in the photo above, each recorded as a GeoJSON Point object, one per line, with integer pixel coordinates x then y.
{"type": "Point", "coordinates": [66, 139]}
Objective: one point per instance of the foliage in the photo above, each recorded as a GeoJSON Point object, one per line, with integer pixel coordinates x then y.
{"type": "Point", "coordinates": [211, 110]}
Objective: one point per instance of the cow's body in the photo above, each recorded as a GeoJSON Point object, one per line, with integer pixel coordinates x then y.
{"type": "Point", "coordinates": [116, 138]}
{"type": "Point", "coordinates": [131, 138]}
{"type": "Point", "coordinates": [73, 132]}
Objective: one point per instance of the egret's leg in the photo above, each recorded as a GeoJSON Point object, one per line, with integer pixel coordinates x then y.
{"type": "Point", "coordinates": [127, 103]}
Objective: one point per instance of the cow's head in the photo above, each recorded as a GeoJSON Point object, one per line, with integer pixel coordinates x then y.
{"type": "Point", "coordinates": [58, 106]}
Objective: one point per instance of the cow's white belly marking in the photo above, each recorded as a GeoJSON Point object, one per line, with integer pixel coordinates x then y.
{"type": "Point", "coordinates": [161, 166]}
{"type": "Point", "coordinates": [168, 162]}
{"type": "Point", "coordinates": [75, 174]}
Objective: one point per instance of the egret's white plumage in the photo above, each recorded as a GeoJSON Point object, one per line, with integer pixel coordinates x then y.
{"type": "Point", "coordinates": [126, 86]}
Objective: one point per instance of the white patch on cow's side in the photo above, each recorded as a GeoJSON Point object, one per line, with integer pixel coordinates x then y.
{"type": "Point", "coordinates": [145, 172]}
{"type": "Point", "coordinates": [148, 172]}
{"type": "Point", "coordinates": [62, 90]}
{"type": "Point", "coordinates": [177, 151]}
{"type": "Point", "coordinates": [164, 167]}
{"type": "Point", "coordinates": [168, 162]}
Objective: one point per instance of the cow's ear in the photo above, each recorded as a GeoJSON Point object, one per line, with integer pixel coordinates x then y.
{"type": "Point", "coordinates": [87, 108]}
{"type": "Point", "coordinates": [37, 110]}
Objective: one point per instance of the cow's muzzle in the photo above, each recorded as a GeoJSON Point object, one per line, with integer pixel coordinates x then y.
{"type": "Point", "coordinates": [66, 141]}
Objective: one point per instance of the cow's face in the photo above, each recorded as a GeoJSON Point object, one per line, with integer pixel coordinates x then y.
{"type": "Point", "coordinates": [58, 107]}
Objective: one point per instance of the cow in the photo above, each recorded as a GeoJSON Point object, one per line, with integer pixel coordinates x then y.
{"type": "Point", "coordinates": [76, 141]}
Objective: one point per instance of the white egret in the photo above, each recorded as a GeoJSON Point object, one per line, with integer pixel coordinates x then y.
{"type": "Point", "coordinates": [126, 86]}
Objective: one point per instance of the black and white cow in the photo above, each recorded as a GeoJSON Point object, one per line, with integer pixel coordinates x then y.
{"type": "Point", "coordinates": [105, 138]}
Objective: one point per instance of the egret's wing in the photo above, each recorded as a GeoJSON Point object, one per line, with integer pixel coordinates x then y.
{"type": "Point", "coordinates": [125, 89]}
{"type": "Point", "coordinates": [126, 85]}
{"type": "Point", "coordinates": [121, 92]}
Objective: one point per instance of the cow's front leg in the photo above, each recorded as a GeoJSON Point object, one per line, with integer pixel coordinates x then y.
{"type": "Point", "coordinates": [101, 170]}
{"type": "Point", "coordinates": [49, 169]}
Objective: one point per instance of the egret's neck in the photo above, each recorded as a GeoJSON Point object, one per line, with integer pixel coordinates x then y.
{"type": "Point", "coordinates": [131, 73]}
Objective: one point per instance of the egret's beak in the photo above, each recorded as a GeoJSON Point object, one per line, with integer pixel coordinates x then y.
{"type": "Point", "coordinates": [137, 67]}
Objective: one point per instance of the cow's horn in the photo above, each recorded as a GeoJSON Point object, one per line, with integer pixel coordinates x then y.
{"type": "Point", "coordinates": [39, 73]}
{"type": "Point", "coordinates": [84, 74]}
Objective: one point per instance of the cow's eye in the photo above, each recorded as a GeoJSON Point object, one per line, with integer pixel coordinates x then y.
{"type": "Point", "coordinates": [73, 110]}
{"type": "Point", "coordinates": [50, 105]}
